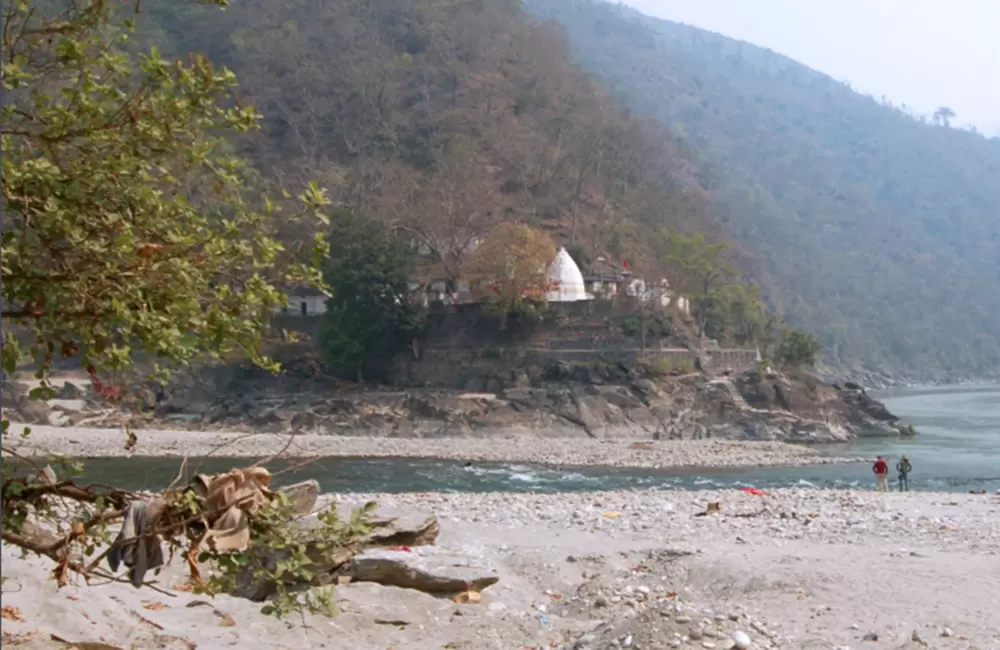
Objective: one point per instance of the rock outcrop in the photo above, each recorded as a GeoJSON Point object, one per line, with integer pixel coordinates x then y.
{"type": "Point", "coordinates": [602, 401]}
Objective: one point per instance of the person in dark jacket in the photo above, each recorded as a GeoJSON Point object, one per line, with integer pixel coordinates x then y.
{"type": "Point", "coordinates": [903, 468]}
{"type": "Point", "coordinates": [881, 469]}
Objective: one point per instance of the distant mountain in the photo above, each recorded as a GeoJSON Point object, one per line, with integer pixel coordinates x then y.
{"type": "Point", "coordinates": [873, 228]}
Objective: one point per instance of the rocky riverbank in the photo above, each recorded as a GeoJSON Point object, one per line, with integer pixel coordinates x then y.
{"type": "Point", "coordinates": [599, 402]}
{"type": "Point", "coordinates": [794, 569]}
{"type": "Point", "coordinates": [892, 379]}
{"type": "Point", "coordinates": [90, 443]}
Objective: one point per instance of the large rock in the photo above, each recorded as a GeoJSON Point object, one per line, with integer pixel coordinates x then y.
{"type": "Point", "coordinates": [19, 408]}
{"type": "Point", "coordinates": [70, 390]}
{"type": "Point", "coordinates": [427, 568]}
{"type": "Point", "coordinates": [406, 529]}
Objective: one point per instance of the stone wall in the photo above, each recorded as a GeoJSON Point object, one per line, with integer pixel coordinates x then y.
{"type": "Point", "coordinates": [734, 360]}
{"type": "Point", "coordinates": [464, 346]}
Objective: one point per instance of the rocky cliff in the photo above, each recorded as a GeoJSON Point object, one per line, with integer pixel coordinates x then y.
{"type": "Point", "coordinates": [612, 401]}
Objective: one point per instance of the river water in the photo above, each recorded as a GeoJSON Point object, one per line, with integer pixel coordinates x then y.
{"type": "Point", "coordinates": [958, 450]}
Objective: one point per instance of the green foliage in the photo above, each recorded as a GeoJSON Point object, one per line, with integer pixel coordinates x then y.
{"type": "Point", "coordinates": [736, 315]}
{"type": "Point", "coordinates": [726, 310]}
{"type": "Point", "coordinates": [798, 348]}
{"type": "Point", "coordinates": [369, 317]}
{"type": "Point", "coordinates": [128, 224]}
{"type": "Point", "coordinates": [870, 225]}
{"type": "Point", "coordinates": [282, 555]}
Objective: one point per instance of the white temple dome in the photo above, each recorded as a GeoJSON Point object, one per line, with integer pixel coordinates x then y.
{"type": "Point", "coordinates": [566, 279]}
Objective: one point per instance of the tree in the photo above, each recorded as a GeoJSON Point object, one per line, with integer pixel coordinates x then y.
{"type": "Point", "coordinates": [798, 348]}
{"type": "Point", "coordinates": [447, 212]}
{"type": "Point", "coordinates": [700, 269]}
{"type": "Point", "coordinates": [127, 223]}
{"type": "Point", "coordinates": [128, 227]}
{"type": "Point", "coordinates": [736, 314]}
{"type": "Point", "coordinates": [369, 317]}
{"type": "Point", "coordinates": [943, 116]}
{"type": "Point", "coordinates": [513, 263]}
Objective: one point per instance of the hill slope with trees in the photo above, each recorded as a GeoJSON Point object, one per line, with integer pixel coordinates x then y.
{"type": "Point", "coordinates": [441, 119]}
{"type": "Point", "coordinates": [876, 228]}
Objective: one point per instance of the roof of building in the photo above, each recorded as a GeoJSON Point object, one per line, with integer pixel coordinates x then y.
{"type": "Point", "coordinates": [307, 291]}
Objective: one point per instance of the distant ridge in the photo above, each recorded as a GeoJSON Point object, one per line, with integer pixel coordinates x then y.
{"type": "Point", "coordinates": [876, 229]}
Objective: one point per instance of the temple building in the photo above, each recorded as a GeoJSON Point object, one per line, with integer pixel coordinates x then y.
{"type": "Point", "coordinates": [566, 280]}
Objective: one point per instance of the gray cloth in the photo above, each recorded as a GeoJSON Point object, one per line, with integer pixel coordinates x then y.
{"type": "Point", "coordinates": [137, 546]}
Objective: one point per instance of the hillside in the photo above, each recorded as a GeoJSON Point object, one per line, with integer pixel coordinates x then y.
{"type": "Point", "coordinates": [442, 119]}
{"type": "Point", "coordinates": [875, 229]}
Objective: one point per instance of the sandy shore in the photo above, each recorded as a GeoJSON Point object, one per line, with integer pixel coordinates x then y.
{"type": "Point", "coordinates": [83, 443]}
{"type": "Point", "coordinates": [796, 569]}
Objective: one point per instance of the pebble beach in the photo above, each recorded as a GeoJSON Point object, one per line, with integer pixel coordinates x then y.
{"type": "Point", "coordinates": [793, 568]}
{"type": "Point", "coordinates": [103, 443]}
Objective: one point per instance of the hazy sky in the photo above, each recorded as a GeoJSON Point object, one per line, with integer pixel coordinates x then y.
{"type": "Point", "coordinates": [922, 53]}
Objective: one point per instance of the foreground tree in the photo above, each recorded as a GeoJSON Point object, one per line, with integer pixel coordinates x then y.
{"type": "Point", "coordinates": [127, 224]}
{"type": "Point", "coordinates": [128, 229]}
{"type": "Point", "coordinates": [512, 263]}
{"type": "Point", "coordinates": [369, 318]}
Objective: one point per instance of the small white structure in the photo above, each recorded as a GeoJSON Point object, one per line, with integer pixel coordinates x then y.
{"type": "Point", "coordinates": [566, 279]}
{"type": "Point", "coordinates": [305, 301]}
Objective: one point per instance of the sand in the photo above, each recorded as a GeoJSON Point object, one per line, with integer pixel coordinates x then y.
{"type": "Point", "coordinates": [796, 569]}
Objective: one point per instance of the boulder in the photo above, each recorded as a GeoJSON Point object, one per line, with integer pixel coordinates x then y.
{"type": "Point", "coordinates": [429, 569]}
{"type": "Point", "coordinates": [70, 390]}
{"type": "Point", "coordinates": [301, 497]}
{"type": "Point", "coordinates": [19, 408]}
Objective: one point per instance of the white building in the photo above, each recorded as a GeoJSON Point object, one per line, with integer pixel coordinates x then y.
{"type": "Point", "coordinates": [566, 280]}
{"type": "Point", "coordinates": [305, 301]}
{"type": "Point", "coordinates": [661, 295]}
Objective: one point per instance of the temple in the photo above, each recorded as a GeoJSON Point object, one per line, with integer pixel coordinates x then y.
{"type": "Point", "coordinates": [566, 280]}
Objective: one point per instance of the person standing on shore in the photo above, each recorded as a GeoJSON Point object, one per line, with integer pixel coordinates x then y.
{"type": "Point", "coordinates": [881, 469]}
{"type": "Point", "coordinates": [903, 467]}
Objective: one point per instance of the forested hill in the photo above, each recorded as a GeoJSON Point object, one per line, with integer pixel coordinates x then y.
{"type": "Point", "coordinates": [442, 118]}
{"type": "Point", "coordinates": [876, 229]}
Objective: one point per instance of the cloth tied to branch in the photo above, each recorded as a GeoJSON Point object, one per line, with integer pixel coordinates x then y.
{"type": "Point", "coordinates": [137, 545]}
{"type": "Point", "coordinates": [227, 499]}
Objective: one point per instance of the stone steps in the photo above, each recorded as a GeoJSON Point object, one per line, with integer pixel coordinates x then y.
{"type": "Point", "coordinates": [737, 397]}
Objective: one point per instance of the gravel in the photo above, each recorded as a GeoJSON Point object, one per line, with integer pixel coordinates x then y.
{"type": "Point", "coordinates": [91, 443]}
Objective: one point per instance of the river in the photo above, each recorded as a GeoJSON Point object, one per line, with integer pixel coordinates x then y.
{"type": "Point", "coordinates": [957, 450]}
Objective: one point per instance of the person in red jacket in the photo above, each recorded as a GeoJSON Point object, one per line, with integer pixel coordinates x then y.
{"type": "Point", "coordinates": [881, 469]}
